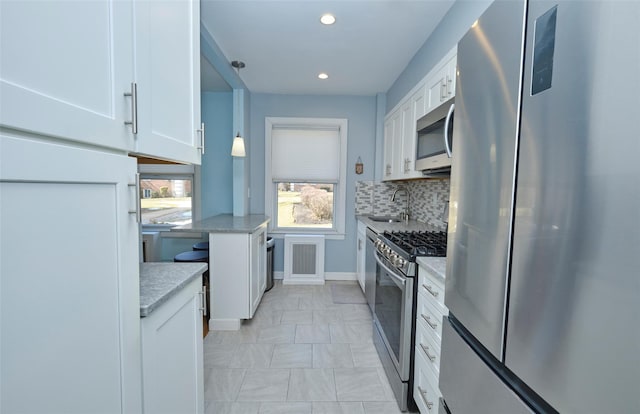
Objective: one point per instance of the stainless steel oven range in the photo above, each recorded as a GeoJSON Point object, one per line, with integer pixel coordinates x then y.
{"type": "Point", "coordinates": [394, 308]}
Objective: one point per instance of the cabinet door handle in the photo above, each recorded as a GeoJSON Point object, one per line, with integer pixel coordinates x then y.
{"type": "Point", "coordinates": [138, 209]}
{"type": "Point", "coordinates": [449, 82]}
{"type": "Point", "coordinates": [134, 107]}
{"type": "Point", "coordinates": [423, 394]}
{"type": "Point", "coordinates": [203, 299]}
{"type": "Point", "coordinates": [428, 321]}
{"type": "Point", "coordinates": [425, 348]}
{"type": "Point", "coordinates": [429, 289]}
{"type": "Point", "coordinates": [201, 133]}
{"type": "Point", "coordinates": [443, 90]}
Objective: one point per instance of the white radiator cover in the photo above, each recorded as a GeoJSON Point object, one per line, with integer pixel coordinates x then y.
{"type": "Point", "coordinates": [303, 259]}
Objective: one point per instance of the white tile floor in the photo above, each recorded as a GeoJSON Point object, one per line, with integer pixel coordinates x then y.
{"type": "Point", "coordinates": [300, 354]}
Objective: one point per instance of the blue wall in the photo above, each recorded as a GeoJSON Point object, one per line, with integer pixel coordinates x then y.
{"type": "Point", "coordinates": [217, 165]}
{"type": "Point", "coordinates": [445, 36]}
{"type": "Point", "coordinates": [216, 170]}
{"type": "Point", "coordinates": [361, 114]}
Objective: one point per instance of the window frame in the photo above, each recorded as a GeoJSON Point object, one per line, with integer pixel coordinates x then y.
{"type": "Point", "coordinates": [173, 171]}
{"type": "Point", "coordinates": [338, 230]}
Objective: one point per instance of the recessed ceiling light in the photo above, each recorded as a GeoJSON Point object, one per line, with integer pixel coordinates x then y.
{"type": "Point", "coordinates": [327, 19]}
{"type": "Point", "coordinates": [323, 75]}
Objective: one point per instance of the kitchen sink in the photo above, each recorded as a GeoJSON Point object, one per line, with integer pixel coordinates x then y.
{"type": "Point", "coordinates": [385, 219]}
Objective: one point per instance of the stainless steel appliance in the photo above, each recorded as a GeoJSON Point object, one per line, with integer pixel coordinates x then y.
{"type": "Point", "coordinates": [370, 268]}
{"type": "Point", "coordinates": [543, 258]}
{"type": "Point", "coordinates": [434, 141]}
{"type": "Point", "coordinates": [394, 311]}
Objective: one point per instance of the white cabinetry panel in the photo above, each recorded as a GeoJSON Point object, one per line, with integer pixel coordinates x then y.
{"type": "Point", "coordinates": [173, 354]}
{"type": "Point", "coordinates": [400, 134]}
{"type": "Point", "coordinates": [167, 66]}
{"type": "Point", "coordinates": [429, 315]}
{"type": "Point", "coordinates": [238, 276]}
{"type": "Point", "coordinates": [69, 291]}
{"type": "Point", "coordinates": [64, 68]}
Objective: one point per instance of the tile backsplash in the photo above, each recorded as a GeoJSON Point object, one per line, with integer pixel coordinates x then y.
{"type": "Point", "coordinates": [427, 199]}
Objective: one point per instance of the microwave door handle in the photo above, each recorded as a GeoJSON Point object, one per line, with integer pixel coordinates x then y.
{"type": "Point", "coordinates": [446, 130]}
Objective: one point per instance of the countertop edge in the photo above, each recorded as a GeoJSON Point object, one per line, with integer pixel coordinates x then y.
{"type": "Point", "coordinates": [159, 282]}
{"type": "Point", "coordinates": [436, 266]}
{"type": "Point", "coordinates": [226, 223]}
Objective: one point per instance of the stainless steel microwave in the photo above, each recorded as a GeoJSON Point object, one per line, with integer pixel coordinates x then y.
{"type": "Point", "coordinates": [435, 131]}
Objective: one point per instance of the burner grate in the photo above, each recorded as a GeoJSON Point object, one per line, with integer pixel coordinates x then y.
{"type": "Point", "coordinates": [419, 243]}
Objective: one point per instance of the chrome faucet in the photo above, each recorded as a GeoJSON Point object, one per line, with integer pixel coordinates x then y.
{"type": "Point", "coordinates": [405, 213]}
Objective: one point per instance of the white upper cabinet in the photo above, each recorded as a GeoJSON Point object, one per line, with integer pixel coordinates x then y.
{"type": "Point", "coordinates": [400, 136]}
{"type": "Point", "coordinates": [392, 128]}
{"type": "Point", "coordinates": [400, 139]}
{"type": "Point", "coordinates": [67, 70]}
{"type": "Point", "coordinates": [442, 84]}
{"type": "Point", "coordinates": [167, 73]}
{"type": "Point", "coordinates": [64, 67]}
{"type": "Point", "coordinates": [415, 111]}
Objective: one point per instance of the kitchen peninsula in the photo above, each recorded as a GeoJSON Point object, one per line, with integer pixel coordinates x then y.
{"type": "Point", "coordinates": [237, 265]}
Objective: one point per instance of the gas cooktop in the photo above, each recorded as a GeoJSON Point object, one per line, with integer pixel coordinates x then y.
{"type": "Point", "coordinates": [412, 244]}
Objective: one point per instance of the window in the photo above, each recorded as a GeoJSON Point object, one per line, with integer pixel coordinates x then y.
{"type": "Point", "coordinates": [305, 163]}
{"type": "Point", "coordinates": [305, 205]}
{"type": "Point", "coordinates": [166, 194]}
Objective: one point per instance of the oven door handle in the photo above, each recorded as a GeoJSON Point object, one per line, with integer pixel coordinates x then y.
{"type": "Point", "coordinates": [394, 276]}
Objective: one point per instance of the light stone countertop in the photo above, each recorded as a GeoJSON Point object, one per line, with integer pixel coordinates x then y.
{"type": "Point", "coordinates": [380, 227]}
{"type": "Point", "coordinates": [225, 223]}
{"type": "Point", "coordinates": [160, 281]}
{"type": "Point", "coordinates": [436, 266]}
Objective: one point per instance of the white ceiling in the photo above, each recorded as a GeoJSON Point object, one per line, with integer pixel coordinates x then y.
{"type": "Point", "coordinates": [284, 45]}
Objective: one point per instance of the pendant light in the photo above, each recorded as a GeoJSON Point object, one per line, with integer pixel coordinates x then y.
{"type": "Point", "coordinates": [237, 149]}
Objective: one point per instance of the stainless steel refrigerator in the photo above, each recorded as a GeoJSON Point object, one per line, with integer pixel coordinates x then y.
{"type": "Point", "coordinates": [543, 260]}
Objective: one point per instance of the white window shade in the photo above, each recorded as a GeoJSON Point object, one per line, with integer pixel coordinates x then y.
{"type": "Point", "coordinates": [305, 155]}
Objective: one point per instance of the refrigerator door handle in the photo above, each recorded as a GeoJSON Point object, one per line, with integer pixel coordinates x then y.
{"type": "Point", "coordinates": [447, 122]}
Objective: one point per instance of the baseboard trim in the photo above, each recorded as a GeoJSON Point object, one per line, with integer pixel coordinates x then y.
{"type": "Point", "coordinates": [327, 276]}
{"type": "Point", "coordinates": [340, 276]}
{"type": "Point", "coordinates": [224, 324]}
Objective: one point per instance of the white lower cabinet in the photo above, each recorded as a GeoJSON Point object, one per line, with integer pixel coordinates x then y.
{"type": "Point", "coordinates": [425, 387]}
{"type": "Point", "coordinates": [69, 290]}
{"type": "Point", "coordinates": [429, 315]}
{"type": "Point", "coordinates": [238, 272]}
{"type": "Point", "coordinates": [172, 354]}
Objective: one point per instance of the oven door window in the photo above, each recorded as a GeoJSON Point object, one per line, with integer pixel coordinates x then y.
{"type": "Point", "coordinates": [389, 309]}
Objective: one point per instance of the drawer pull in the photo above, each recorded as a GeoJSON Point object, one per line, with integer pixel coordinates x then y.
{"type": "Point", "coordinates": [428, 321]}
{"type": "Point", "coordinates": [430, 290]}
{"type": "Point", "coordinates": [425, 348]}
{"type": "Point", "coordinates": [423, 394]}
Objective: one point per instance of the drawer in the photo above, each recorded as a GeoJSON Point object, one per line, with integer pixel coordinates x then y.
{"type": "Point", "coordinates": [430, 314]}
{"type": "Point", "coordinates": [432, 287]}
{"type": "Point", "coordinates": [425, 388]}
{"type": "Point", "coordinates": [428, 345]}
